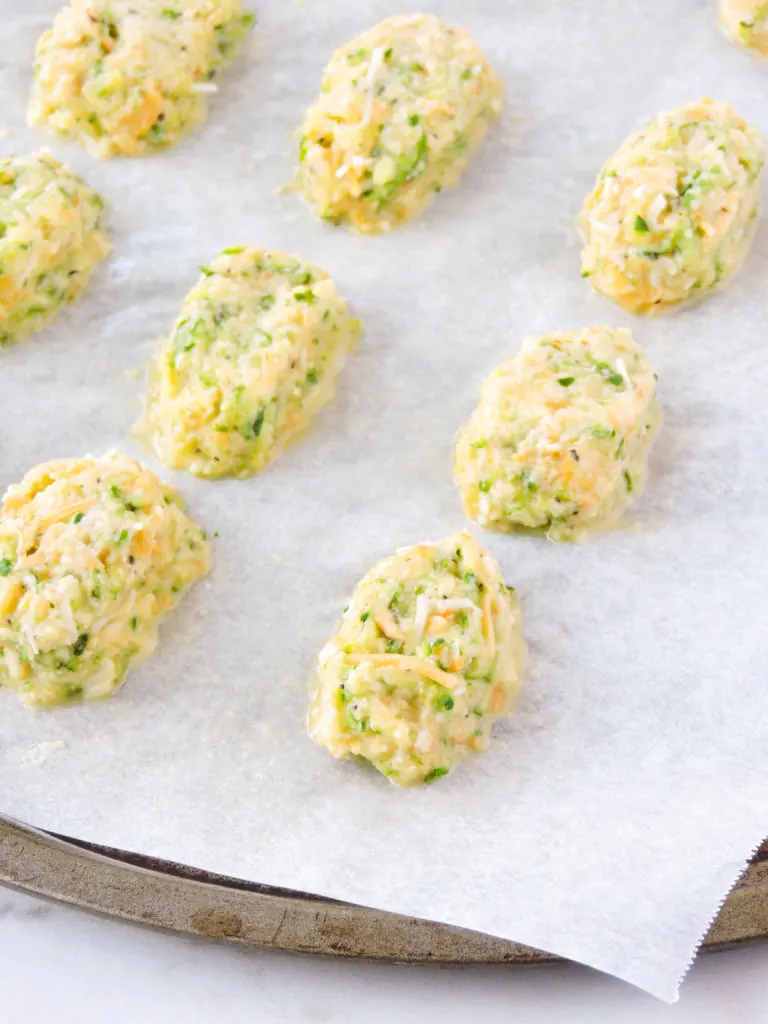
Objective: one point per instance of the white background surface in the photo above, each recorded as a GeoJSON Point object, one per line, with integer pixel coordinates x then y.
{"type": "Point", "coordinates": [102, 972]}
{"type": "Point", "coordinates": [63, 965]}
{"type": "Point", "coordinates": [617, 807]}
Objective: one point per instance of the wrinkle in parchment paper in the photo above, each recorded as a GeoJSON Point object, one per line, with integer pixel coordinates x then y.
{"type": "Point", "coordinates": [612, 813]}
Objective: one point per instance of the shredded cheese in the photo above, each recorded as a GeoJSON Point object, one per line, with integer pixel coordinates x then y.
{"type": "Point", "coordinates": [370, 82]}
{"type": "Point", "coordinates": [387, 625]}
{"type": "Point", "coordinates": [422, 614]}
{"type": "Point", "coordinates": [488, 632]}
{"type": "Point", "coordinates": [406, 662]}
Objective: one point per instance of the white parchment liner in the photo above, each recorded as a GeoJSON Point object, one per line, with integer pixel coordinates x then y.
{"type": "Point", "coordinates": [613, 812]}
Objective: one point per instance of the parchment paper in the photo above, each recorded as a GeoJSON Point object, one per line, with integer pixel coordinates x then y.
{"type": "Point", "coordinates": [614, 811]}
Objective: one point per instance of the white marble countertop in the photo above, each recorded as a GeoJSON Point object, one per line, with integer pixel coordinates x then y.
{"type": "Point", "coordinates": [61, 964]}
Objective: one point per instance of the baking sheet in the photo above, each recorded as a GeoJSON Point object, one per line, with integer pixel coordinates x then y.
{"type": "Point", "coordinates": [613, 812]}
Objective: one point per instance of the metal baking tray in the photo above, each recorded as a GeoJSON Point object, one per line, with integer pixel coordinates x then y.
{"type": "Point", "coordinates": [189, 901]}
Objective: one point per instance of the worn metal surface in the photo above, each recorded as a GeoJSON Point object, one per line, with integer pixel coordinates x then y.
{"type": "Point", "coordinates": [193, 902]}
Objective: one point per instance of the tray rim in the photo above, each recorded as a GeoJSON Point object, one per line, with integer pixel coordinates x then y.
{"type": "Point", "coordinates": [190, 901]}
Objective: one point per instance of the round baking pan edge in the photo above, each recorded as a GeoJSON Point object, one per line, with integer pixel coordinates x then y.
{"type": "Point", "coordinates": [189, 901]}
